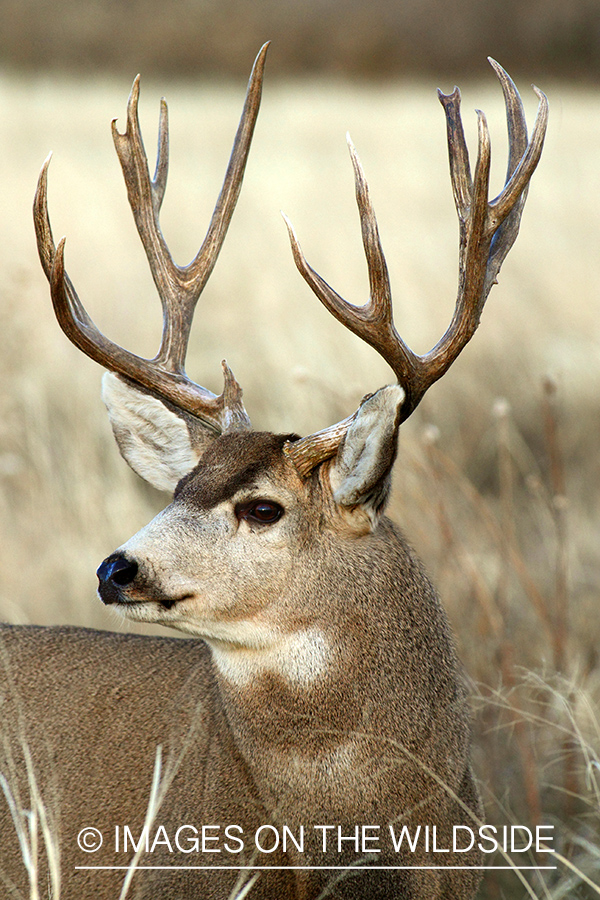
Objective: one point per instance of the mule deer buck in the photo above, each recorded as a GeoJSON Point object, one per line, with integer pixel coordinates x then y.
{"type": "Point", "coordinates": [318, 708]}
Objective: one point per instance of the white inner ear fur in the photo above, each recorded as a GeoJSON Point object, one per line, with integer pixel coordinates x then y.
{"type": "Point", "coordinates": [152, 439]}
{"type": "Point", "coordinates": [359, 476]}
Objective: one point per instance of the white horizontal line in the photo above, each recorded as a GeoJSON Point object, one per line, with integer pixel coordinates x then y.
{"type": "Point", "coordinates": [319, 868]}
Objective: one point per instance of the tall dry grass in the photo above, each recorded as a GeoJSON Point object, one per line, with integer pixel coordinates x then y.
{"type": "Point", "coordinates": [497, 481]}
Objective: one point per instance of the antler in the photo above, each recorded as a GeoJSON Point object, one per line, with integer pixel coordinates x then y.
{"type": "Point", "coordinates": [179, 287]}
{"type": "Point", "coordinates": [488, 230]}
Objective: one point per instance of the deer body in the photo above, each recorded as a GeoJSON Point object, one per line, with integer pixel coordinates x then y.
{"type": "Point", "coordinates": [97, 771]}
{"type": "Point", "coordinates": [319, 691]}
{"type": "Point", "coordinates": [353, 617]}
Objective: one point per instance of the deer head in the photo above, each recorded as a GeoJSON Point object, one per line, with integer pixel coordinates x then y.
{"type": "Point", "coordinates": [223, 556]}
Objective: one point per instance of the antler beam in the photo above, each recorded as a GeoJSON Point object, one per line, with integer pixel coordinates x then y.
{"type": "Point", "coordinates": [179, 287]}
{"type": "Point", "coordinates": [488, 230]}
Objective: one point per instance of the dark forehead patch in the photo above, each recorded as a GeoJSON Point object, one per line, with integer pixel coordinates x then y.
{"type": "Point", "coordinates": [233, 461]}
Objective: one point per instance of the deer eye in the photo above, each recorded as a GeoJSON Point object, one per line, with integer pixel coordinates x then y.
{"type": "Point", "coordinates": [265, 512]}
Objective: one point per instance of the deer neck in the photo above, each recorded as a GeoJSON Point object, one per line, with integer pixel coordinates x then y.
{"type": "Point", "coordinates": [320, 703]}
{"type": "Point", "coordinates": [311, 678]}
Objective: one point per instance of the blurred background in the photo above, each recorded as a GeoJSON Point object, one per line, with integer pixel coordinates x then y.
{"type": "Point", "coordinates": [497, 482]}
{"type": "Point", "coordinates": [380, 38]}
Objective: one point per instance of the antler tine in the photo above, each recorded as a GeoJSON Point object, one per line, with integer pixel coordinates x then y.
{"type": "Point", "coordinates": [145, 198]}
{"type": "Point", "coordinates": [488, 230]}
{"type": "Point", "coordinates": [460, 169]}
{"type": "Point", "coordinates": [202, 265]}
{"type": "Point", "coordinates": [159, 181]}
{"type": "Point", "coordinates": [43, 231]}
{"type": "Point", "coordinates": [372, 322]}
{"type": "Point", "coordinates": [378, 310]}
{"type": "Point", "coordinates": [470, 299]}
{"type": "Point", "coordinates": [507, 232]}
{"type": "Point", "coordinates": [178, 287]}
{"type": "Point", "coordinates": [376, 313]}
{"type": "Point", "coordinates": [69, 311]}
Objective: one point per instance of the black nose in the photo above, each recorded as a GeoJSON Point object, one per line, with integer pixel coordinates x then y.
{"type": "Point", "coordinates": [114, 573]}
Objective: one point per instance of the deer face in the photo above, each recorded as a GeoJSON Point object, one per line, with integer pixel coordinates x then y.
{"type": "Point", "coordinates": [244, 527]}
{"type": "Point", "coordinates": [216, 558]}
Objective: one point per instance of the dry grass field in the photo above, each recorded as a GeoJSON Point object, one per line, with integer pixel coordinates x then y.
{"type": "Point", "coordinates": [498, 476]}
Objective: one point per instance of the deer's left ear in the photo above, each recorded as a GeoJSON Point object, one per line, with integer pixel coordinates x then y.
{"type": "Point", "coordinates": [360, 475]}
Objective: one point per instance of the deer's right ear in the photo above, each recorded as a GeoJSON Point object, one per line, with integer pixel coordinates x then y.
{"type": "Point", "coordinates": [158, 444]}
{"type": "Point", "coordinates": [361, 472]}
